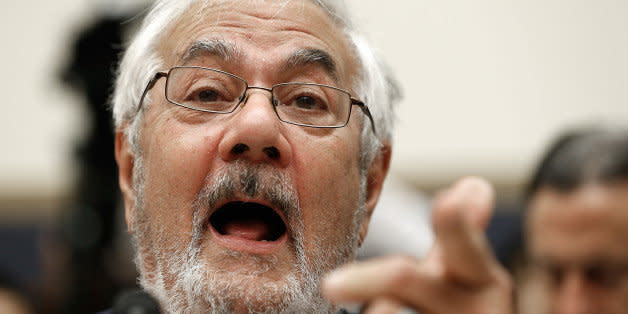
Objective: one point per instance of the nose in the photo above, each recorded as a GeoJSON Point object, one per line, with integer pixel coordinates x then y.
{"type": "Point", "coordinates": [255, 133]}
{"type": "Point", "coordinates": [573, 295]}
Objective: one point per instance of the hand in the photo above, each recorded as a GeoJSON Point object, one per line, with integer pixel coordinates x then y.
{"type": "Point", "coordinates": [459, 275]}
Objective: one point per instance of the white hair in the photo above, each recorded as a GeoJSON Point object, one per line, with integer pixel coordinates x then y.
{"type": "Point", "coordinates": [374, 84]}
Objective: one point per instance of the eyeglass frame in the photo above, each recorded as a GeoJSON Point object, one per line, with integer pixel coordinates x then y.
{"type": "Point", "coordinates": [244, 97]}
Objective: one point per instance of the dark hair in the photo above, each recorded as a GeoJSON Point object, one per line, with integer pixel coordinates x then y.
{"type": "Point", "coordinates": [578, 157]}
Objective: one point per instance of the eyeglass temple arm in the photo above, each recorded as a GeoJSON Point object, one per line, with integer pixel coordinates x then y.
{"type": "Point", "coordinates": [150, 85]}
{"type": "Point", "coordinates": [366, 111]}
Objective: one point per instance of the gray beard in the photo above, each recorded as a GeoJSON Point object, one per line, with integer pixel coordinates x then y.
{"type": "Point", "coordinates": [200, 287]}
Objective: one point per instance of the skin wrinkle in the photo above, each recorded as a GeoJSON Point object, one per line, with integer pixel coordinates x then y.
{"type": "Point", "coordinates": [259, 19]}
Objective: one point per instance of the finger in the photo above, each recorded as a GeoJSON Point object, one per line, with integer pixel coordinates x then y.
{"type": "Point", "coordinates": [459, 219]}
{"type": "Point", "coordinates": [409, 283]}
{"type": "Point", "coordinates": [473, 196]}
{"type": "Point", "coordinates": [397, 278]}
{"type": "Point", "coordinates": [382, 306]}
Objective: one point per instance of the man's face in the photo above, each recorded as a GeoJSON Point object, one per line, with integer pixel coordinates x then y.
{"type": "Point", "coordinates": [577, 245]}
{"type": "Point", "coordinates": [242, 205]}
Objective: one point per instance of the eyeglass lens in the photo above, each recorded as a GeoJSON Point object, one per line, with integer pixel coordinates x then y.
{"type": "Point", "coordinates": [219, 92]}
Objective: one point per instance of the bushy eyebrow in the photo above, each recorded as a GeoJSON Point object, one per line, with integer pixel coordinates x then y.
{"type": "Point", "coordinates": [230, 53]}
{"type": "Point", "coordinates": [313, 56]}
{"type": "Point", "coordinates": [215, 47]}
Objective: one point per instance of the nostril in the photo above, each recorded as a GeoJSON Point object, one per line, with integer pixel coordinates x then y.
{"type": "Point", "coordinates": [239, 148]}
{"type": "Point", "coordinates": [272, 152]}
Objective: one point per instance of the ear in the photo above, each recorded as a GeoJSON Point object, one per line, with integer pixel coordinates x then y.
{"type": "Point", "coordinates": [375, 180]}
{"type": "Point", "coordinates": [125, 160]}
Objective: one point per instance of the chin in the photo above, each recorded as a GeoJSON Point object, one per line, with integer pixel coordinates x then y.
{"type": "Point", "coordinates": [235, 282]}
{"type": "Point", "coordinates": [241, 282]}
{"type": "Point", "coordinates": [243, 293]}
{"type": "Point", "coordinates": [257, 294]}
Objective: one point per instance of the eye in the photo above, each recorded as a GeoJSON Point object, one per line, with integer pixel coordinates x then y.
{"type": "Point", "coordinates": [307, 102]}
{"type": "Point", "coordinates": [601, 275]}
{"type": "Point", "coordinates": [205, 93]}
{"type": "Point", "coordinates": [208, 96]}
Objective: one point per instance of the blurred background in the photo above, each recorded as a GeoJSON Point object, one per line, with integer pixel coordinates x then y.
{"type": "Point", "coordinates": [487, 85]}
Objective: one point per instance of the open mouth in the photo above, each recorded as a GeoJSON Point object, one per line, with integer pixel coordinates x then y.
{"type": "Point", "coordinates": [248, 221]}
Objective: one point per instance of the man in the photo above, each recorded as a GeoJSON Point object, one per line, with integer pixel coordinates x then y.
{"type": "Point", "coordinates": [252, 139]}
{"type": "Point", "coordinates": [577, 227]}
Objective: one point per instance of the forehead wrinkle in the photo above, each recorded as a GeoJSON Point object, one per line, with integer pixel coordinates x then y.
{"type": "Point", "coordinates": [226, 51]}
{"type": "Point", "coordinates": [307, 56]}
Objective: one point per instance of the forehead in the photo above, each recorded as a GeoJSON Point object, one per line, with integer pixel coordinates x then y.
{"type": "Point", "coordinates": [265, 32]}
{"type": "Point", "coordinates": [588, 223]}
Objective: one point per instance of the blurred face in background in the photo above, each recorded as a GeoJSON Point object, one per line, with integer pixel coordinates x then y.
{"type": "Point", "coordinates": [242, 212]}
{"type": "Point", "coordinates": [578, 248]}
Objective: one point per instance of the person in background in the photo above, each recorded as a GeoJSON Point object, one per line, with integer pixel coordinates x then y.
{"type": "Point", "coordinates": [576, 227]}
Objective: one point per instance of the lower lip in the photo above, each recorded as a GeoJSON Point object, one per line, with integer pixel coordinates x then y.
{"type": "Point", "coordinates": [249, 246]}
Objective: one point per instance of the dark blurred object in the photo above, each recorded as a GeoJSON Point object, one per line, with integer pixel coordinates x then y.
{"type": "Point", "coordinates": [136, 302]}
{"type": "Point", "coordinates": [505, 234]}
{"type": "Point", "coordinates": [19, 255]}
{"type": "Point", "coordinates": [88, 227]}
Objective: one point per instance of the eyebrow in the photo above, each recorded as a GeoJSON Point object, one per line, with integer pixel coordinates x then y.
{"type": "Point", "coordinates": [231, 53]}
{"type": "Point", "coordinates": [215, 47]}
{"type": "Point", "coordinates": [313, 56]}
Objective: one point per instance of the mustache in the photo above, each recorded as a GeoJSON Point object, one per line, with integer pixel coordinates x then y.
{"type": "Point", "coordinates": [260, 181]}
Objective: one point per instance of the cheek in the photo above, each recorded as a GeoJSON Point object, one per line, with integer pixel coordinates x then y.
{"type": "Point", "coordinates": [176, 164]}
{"type": "Point", "coordinates": [328, 180]}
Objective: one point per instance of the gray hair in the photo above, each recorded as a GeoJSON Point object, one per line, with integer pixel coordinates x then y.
{"type": "Point", "coordinates": [374, 85]}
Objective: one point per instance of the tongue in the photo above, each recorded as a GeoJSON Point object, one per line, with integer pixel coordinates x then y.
{"type": "Point", "coordinates": [254, 230]}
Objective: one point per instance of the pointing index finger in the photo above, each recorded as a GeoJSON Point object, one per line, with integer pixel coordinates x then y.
{"type": "Point", "coordinates": [459, 219]}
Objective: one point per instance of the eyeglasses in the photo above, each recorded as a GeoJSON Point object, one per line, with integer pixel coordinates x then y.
{"type": "Point", "coordinates": [214, 91]}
